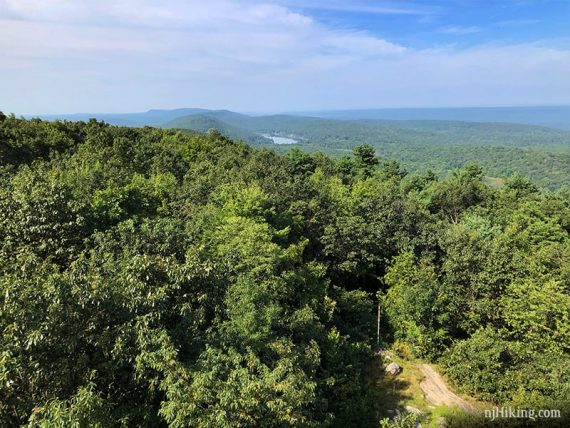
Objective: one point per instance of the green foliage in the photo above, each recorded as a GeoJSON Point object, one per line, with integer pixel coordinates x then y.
{"type": "Point", "coordinates": [84, 410]}
{"type": "Point", "coordinates": [37, 215]}
{"type": "Point", "coordinates": [231, 389]}
{"type": "Point", "coordinates": [365, 158]}
{"type": "Point", "coordinates": [483, 363]}
{"type": "Point", "coordinates": [537, 313]}
{"type": "Point", "coordinates": [414, 306]}
{"type": "Point", "coordinates": [151, 277]}
{"type": "Point", "coordinates": [460, 191]}
{"type": "Point", "coordinates": [405, 420]}
{"type": "Point", "coordinates": [491, 366]}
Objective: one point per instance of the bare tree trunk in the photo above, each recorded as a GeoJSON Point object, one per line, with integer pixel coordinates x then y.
{"type": "Point", "coordinates": [378, 326]}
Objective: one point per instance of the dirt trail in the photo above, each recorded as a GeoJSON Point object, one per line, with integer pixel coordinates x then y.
{"type": "Point", "coordinates": [437, 392]}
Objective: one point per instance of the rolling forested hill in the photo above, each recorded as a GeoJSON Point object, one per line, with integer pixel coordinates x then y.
{"type": "Point", "coordinates": [156, 278]}
{"type": "Point", "coordinates": [204, 122]}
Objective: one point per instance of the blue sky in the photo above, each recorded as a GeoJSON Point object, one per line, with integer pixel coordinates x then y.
{"type": "Point", "coordinates": [64, 56]}
{"type": "Point", "coordinates": [462, 23]}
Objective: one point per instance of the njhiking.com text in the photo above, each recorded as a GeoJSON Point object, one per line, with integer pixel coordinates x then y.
{"type": "Point", "coordinates": [518, 413]}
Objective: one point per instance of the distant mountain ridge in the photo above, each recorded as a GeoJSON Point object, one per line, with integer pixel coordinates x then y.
{"type": "Point", "coordinates": [550, 116]}
{"type": "Point", "coordinates": [149, 118]}
{"type": "Point", "coordinates": [330, 133]}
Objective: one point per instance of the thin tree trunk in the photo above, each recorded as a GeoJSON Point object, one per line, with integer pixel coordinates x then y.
{"type": "Point", "coordinates": [378, 327]}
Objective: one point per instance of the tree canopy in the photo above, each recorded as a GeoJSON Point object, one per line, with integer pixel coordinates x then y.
{"type": "Point", "coordinates": [151, 277]}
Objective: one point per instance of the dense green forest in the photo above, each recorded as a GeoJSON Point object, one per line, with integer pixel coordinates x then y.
{"type": "Point", "coordinates": [539, 153]}
{"type": "Point", "coordinates": [152, 277]}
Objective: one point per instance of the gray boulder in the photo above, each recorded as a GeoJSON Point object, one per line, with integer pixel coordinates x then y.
{"type": "Point", "coordinates": [393, 369]}
{"type": "Point", "coordinates": [414, 410]}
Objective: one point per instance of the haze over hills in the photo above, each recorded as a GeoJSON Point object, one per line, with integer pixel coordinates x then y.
{"type": "Point", "coordinates": [154, 117]}
{"type": "Point", "coordinates": [548, 116]}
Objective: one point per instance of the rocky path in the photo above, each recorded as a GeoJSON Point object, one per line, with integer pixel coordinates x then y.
{"type": "Point", "coordinates": [437, 392]}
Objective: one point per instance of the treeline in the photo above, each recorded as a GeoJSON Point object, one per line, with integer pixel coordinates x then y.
{"type": "Point", "coordinates": [154, 278]}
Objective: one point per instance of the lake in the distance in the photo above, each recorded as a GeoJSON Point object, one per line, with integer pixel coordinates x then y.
{"type": "Point", "coordinates": [280, 140]}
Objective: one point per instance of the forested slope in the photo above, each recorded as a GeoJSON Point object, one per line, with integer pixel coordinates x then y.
{"type": "Point", "coordinates": [154, 278]}
{"type": "Point", "coordinates": [203, 123]}
{"type": "Point", "coordinates": [542, 154]}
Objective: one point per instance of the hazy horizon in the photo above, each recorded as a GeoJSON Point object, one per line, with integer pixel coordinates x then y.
{"type": "Point", "coordinates": [293, 112]}
{"type": "Point", "coordinates": [115, 56]}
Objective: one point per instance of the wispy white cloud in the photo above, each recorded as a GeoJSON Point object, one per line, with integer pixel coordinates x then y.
{"type": "Point", "coordinates": [125, 55]}
{"type": "Point", "coordinates": [516, 22]}
{"type": "Point", "coordinates": [378, 7]}
{"type": "Point", "coordinates": [459, 29]}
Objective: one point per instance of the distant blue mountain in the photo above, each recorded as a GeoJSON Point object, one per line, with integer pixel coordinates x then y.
{"type": "Point", "coordinates": [550, 116]}
{"type": "Point", "coordinates": [148, 118]}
